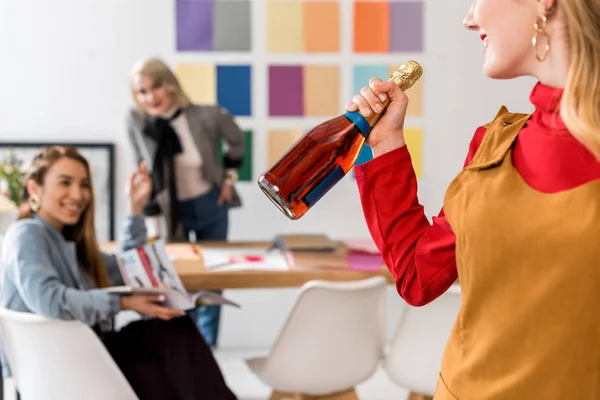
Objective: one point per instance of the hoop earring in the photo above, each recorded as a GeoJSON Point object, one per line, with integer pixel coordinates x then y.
{"type": "Point", "coordinates": [539, 27]}
{"type": "Point", "coordinates": [34, 202]}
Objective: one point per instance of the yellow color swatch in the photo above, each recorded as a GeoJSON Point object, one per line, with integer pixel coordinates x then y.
{"type": "Point", "coordinates": [321, 90]}
{"type": "Point", "coordinates": [414, 142]}
{"type": "Point", "coordinates": [285, 26]}
{"type": "Point", "coordinates": [199, 82]}
{"type": "Point", "coordinates": [322, 26]}
{"type": "Point", "coordinates": [279, 141]}
{"type": "Point", "coordinates": [415, 96]}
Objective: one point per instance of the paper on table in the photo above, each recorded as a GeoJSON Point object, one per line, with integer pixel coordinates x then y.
{"type": "Point", "coordinates": [235, 259]}
{"type": "Point", "coordinates": [364, 245]}
{"type": "Point", "coordinates": [364, 262]}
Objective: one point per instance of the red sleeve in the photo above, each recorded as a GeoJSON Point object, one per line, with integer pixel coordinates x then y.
{"type": "Point", "coordinates": [419, 255]}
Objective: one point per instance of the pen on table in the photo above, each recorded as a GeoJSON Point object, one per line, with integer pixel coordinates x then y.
{"type": "Point", "coordinates": [192, 240]}
{"type": "Point", "coordinates": [235, 260]}
{"type": "Point", "coordinates": [219, 265]}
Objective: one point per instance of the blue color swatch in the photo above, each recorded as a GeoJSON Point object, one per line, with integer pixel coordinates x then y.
{"type": "Point", "coordinates": [234, 88]}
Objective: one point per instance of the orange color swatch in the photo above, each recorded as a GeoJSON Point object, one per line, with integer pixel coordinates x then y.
{"type": "Point", "coordinates": [321, 90]}
{"type": "Point", "coordinates": [371, 26]}
{"type": "Point", "coordinates": [322, 26]}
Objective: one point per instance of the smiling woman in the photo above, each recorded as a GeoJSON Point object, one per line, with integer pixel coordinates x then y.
{"type": "Point", "coordinates": [58, 188]}
{"type": "Point", "coordinates": [66, 274]}
{"type": "Point", "coordinates": [520, 222]}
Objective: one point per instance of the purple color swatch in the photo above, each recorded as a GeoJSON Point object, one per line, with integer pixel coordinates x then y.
{"type": "Point", "coordinates": [194, 25]}
{"type": "Point", "coordinates": [286, 85]}
{"type": "Point", "coordinates": [364, 262]}
{"type": "Point", "coordinates": [406, 26]}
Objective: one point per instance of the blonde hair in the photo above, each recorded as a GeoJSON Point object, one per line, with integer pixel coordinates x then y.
{"type": "Point", "coordinates": [84, 231]}
{"type": "Point", "coordinates": [159, 73]}
{"type": "Point", "coordinates": [580, 104]}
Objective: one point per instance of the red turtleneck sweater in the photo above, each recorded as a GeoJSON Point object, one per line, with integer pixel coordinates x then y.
{"type": "Point", "coordinates": [420, 255]}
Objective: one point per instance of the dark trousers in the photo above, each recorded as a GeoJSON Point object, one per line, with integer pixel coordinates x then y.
{"type": "Point", "coordinates": [167, 360]}
{"type": "Point", "coordinates": [209, 221]}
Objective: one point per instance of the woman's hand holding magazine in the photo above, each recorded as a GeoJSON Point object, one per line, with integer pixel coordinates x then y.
{"type": "Point", "coordinates": [154, 287]}
{"type": "Point", "coordinates": [147, 304]}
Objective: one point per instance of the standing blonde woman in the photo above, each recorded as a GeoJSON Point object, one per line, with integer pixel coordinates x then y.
{"type": "Point", "coordinates": [180, 141]}
{"type": "Point", "coordinates": [520, 223]}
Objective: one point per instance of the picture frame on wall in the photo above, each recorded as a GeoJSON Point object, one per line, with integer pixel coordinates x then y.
{"type": "Point", "coordinates": [101, 157]}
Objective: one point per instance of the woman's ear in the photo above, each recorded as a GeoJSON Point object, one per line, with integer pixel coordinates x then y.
{"type": "Point", "coordinates": [32, 187]}
{"type": "Point", "coordinates": [546, 7]}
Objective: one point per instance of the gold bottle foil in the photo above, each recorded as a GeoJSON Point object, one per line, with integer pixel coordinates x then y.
{"type": "Point", "coordinates": [407, 74]}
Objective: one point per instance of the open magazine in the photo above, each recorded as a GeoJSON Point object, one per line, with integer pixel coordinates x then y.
{"type": "Point", "coordinates": [149, 270]}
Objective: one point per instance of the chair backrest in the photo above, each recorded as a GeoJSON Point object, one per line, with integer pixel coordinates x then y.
{"type": "Point", "coordinates": [54, 359]}
{"type": "Point", "coordinates": [415, 353]}
{"type": "Point", "coordinates": [334, 335]}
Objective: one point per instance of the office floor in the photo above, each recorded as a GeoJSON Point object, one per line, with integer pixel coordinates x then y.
{"type": "Point", "coordinates": [245, 384]}
{"type": "Point", "coordinates": [247, 387]}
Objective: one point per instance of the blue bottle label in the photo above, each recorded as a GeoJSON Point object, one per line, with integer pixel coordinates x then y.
{"type": "Point", "coordinates": [323, 187]}
{"type": "Point", "coordinates": [360, 122]}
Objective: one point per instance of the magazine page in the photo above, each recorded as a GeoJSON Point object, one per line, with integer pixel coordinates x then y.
{"type": "Point", "coordinates": [210, 298]}
{"type": "Point", "coordinates": [149, 270]}
{"type": "Point", "coordinates": [163, 266]}
{"type": "Point", "coordinates": [173, 298]}
{"type": "Point", "coordinates": [133, 271]}
{"type": "Point", "coordinates": [149, 266]}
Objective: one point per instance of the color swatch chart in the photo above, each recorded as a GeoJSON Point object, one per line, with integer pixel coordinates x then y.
{"type": "Point", "coordinates": [313, 56]}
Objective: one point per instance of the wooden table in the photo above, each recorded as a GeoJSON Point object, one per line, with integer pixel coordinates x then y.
{"type": "Point", "coordinates": [330, 266]}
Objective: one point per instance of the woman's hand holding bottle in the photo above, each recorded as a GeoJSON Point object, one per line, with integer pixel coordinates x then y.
{"type": "Point", "coordinates": [387, 134]}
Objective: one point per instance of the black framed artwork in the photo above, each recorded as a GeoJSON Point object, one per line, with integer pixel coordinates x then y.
{"type": "Point", "coordinates": [101, 157]}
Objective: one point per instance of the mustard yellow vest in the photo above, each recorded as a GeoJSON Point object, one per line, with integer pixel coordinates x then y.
{"type": "Point", "coordinates": [529, 269]}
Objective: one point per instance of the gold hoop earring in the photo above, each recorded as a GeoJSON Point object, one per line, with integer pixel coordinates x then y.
{"type": "Point", "coordinates": [34, 202]}
{"type": "Point", "coordinates": [539, 27]}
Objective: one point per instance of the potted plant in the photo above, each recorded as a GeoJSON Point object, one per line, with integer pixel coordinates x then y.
{"type": "Point", "coordinates": [11, 186]}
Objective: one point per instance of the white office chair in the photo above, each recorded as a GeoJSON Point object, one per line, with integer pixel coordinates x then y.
{"type": "Point", "coordinates": [59, 360]}
{"type": "Point", "coordinates": [415, 353]}
{"type": "Point", "coordinates": [332, 340]}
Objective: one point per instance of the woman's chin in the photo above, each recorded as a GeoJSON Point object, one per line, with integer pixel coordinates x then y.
{"type": "Point", "coordinates": [495, 70]}
{"type": "Point", "coordinates": [70, 220]}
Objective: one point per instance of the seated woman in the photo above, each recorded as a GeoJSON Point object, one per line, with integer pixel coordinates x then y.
{"type": "Point", "coordinates": [52, 266]}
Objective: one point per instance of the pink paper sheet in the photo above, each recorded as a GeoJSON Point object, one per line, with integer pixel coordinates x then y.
{"type": "Point", "coordinates": [364, 262]}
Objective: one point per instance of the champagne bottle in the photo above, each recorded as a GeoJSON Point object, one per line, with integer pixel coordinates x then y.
{"type": "Point", "coordinates": [324, 155]}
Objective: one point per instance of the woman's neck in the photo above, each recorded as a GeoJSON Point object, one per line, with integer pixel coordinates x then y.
{"type": "Point", "coordinates": [52, 221]}
{"type": "Point", "coordinates": [554, 70]}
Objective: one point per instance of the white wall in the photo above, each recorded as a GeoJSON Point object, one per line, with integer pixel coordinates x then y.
{"type": "Point", "coordinates": [64, 70]}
